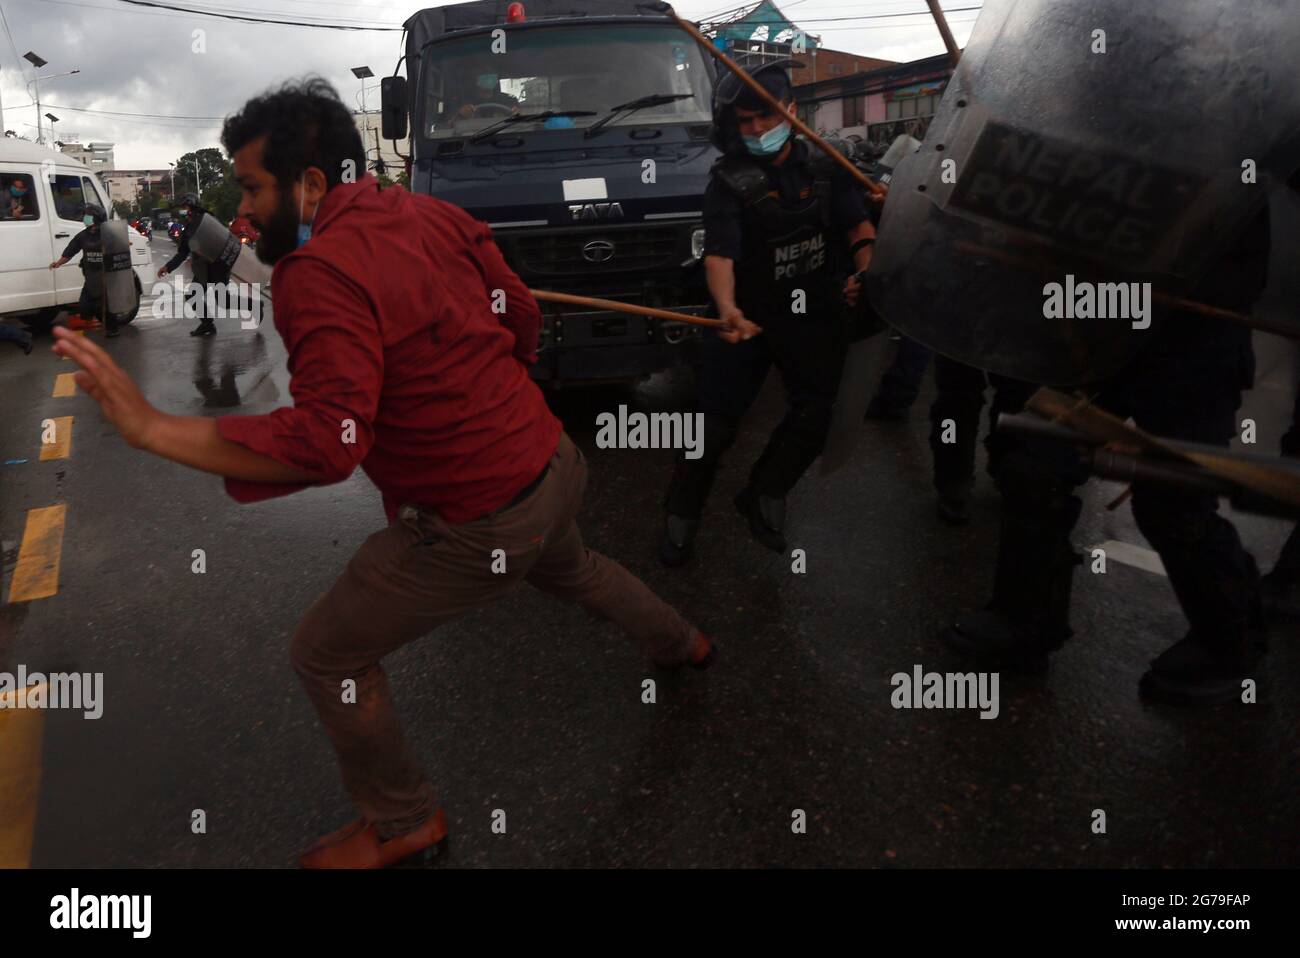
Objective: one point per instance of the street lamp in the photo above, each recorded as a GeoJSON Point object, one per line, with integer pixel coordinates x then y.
{"type": "Point", "coordinates": [363, 74]}
{"type": "Point", "coordinates": [53, 120]}
{"type": "Point", "coordinates": [35, 90]}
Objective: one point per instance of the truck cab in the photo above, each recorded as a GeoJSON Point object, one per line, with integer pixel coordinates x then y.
{"type": "Point", "coordinates": [579, 131]}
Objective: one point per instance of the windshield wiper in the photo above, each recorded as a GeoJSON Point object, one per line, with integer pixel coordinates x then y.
{"type": "Point", "coordinates": [524, 118]}
{"type": "Point", "coordinates": [631, 106]}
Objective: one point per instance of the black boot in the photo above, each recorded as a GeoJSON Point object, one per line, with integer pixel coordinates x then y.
{"type": "Point", "coordinates": [1196, 672]}
{"type": "Point", "coordinates": [205, 328]}
{"type": "Point", "coordinates": [677, 541]}
{"type": "Point", "coordinates": [1029, 614]}
{"type": "Point", "coordinates": [112, 331]}
{"type": "Point", "coordinates": [766, 516]}
{"type": "Point", "coordinates": [954, 502]}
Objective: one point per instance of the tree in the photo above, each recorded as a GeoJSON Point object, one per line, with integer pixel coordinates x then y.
{"type": "Point", "coordinates": [212, 166]}
{"type": "Point", "coordinates": [148, 201]}
{"type": "Point", "coordinates": [220, 193]}
{"type": "Point", "coordinates": [123, 210]}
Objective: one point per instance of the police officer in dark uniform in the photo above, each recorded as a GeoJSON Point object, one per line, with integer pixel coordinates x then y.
{"type": "Point", "coordinates": [784, 226]}
{"type": "Point", "coordinates": [205, 272]}
{"type": "Point", "coordinates": [955, 425]}
{"type": "Point", "coordinates": [1281, 587]}
{"type": "Point", "coordinates": [1185, 383]}
{"type": "Point", "coordinates": [90, 244]}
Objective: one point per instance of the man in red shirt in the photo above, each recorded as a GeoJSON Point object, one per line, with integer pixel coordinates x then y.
{"type": "Point", "coordinates": [407, 338]}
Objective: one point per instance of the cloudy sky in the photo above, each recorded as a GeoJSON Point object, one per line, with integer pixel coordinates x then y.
{"type": "Point", "coordinates": [142, 76]}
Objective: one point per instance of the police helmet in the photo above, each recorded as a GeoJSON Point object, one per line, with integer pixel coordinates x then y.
{"type": "Point", "coordinates": [731, 92]}
{"type": "Point", "coordinates": [95, 211]}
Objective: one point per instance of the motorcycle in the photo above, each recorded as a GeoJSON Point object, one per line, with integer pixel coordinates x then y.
{"type": "Point", "coordinates": [174, 232]}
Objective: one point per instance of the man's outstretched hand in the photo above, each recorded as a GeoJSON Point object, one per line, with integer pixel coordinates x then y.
{"type": "Point", "coordinates": [118, 396]}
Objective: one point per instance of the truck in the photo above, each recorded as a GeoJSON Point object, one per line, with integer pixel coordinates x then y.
{"type": "Point", "coordinates": [578, 130]}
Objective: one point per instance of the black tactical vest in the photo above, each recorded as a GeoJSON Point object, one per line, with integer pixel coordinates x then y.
{"type": "Point", "coordinates": [92, 254]}
{"type": "Point", "coordinates": [784, 246]}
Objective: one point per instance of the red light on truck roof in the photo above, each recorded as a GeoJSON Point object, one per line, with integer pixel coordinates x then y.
{"type": "Point", "coordinates": [515, 13]}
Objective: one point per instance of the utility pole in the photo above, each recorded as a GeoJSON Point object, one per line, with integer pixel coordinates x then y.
{"type": "Point", "coordinates": [197, 182]}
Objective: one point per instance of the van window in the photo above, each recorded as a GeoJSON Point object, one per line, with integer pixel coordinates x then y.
{"type": "Point", "coordinates": [93, 195]}
{"type": "Point", "coordinates": [13, 206]}
{"type": "Point", "coordinates": [69, 197]}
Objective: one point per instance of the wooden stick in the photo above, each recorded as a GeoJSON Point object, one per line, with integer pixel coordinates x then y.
{"type": "Point", "coordinates": [549, 297]}
{"type": "Point", "coordinates": [871, 185]}
{"type": "Point", "coordinates": [1102, 427]}
{"type": "Point", "coordinates": [942, 23]}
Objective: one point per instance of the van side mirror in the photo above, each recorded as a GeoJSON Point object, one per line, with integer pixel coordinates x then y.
{"type": "Point", "coordinates": [392, 99]}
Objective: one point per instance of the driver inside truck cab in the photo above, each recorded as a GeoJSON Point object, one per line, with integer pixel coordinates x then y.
{"type": "Point", "coordinates": [486, 90]}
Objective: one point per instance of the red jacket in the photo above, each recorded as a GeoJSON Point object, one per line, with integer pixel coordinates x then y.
{"type": "Point", "coordinates": [387, 315]}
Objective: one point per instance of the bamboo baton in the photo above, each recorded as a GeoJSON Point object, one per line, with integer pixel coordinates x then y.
{"type": "Point", "coordinates": [869, 184]}
{"type": "Point", "coordinates": [573, 300]}
{"type": "Point", "coordinates": [941, 22]}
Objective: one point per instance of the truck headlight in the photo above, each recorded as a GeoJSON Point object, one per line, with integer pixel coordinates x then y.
{"type": "Point", "coordinates": [697, 244]}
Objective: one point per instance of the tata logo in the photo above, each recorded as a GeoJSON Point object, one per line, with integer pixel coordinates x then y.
{"type": "Point", "coordinates": [598, 251]}
{"type": "Point", "coordinates": [596, 211]}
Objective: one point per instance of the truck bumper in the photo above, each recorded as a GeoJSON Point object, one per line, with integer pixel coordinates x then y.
{"type": "Point", "coordinates": [612, 346]}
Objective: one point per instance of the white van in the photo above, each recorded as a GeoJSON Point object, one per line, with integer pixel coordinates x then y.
{"type": "Point", "coordinates": [35, 230]}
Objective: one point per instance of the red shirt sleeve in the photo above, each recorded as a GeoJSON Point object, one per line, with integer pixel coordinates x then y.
{"type": "Point", "coordinates": [336, 368]}
{"type": "Point", "coordinates": [522, 315]}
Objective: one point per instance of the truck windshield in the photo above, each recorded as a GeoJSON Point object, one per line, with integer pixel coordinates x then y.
{"type": "Point", "coordinates": [467, 87]}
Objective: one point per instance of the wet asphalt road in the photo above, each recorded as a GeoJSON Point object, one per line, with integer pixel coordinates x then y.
{"type": "Point", "coordinates": [532, 708]}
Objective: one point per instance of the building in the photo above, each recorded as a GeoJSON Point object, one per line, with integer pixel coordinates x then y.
{"type": "Point", "coordinates": [377, 147]}
{"type": "Point", "coordinates": [97, 156]}
{"type": "Point", "coordinates": [825, 64]}
{"type": "Point", "coordinates": [834, 90]}
{"type": "Point", "coordinates": [879, 104]}
{"type": "Point", "coordinates": [125, 186]}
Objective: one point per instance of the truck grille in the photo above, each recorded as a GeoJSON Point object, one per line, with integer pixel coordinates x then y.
{"type": "Point", "coordinates": [627, 248]}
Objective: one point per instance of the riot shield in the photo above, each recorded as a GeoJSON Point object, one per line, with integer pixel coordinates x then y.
{"type": "Point", "coordinates": [120, 295]}
{"type": "Point", "coordinates": [215, 243]}
{"type": "Point", "coordinates": [1096, 142]}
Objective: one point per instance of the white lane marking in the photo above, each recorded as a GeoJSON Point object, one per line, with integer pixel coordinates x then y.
{"type": "Point", "coordinates": [1128, 554]}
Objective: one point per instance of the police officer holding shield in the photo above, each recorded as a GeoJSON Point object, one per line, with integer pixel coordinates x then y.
{"type": "Point", "coordinates": [90, 244]}
{"type": "Point", "coordinates": [784, 227]}
{"type": "Point", "coordinates": [205, 271]}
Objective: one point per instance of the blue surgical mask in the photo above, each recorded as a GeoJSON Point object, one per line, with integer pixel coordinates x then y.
{"type": "Point", "coordinates": [88, 220]}
{"type": "Point", "coordinates": [487, 81]}
{"type": "Point", "coordinates": [304, 229]}
{"type": "Point", "coordinates": [770, 142]}
{"type": "Point", "coordinates": [16, 191]}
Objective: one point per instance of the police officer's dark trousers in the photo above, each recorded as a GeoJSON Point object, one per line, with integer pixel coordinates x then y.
{"type": "Point", "coordinates": [91, 305]}
{"type": "Point", "coordinates": [1191, 394]}
{"type": "Point", "coordinates": [955, 416]}
{"type": "Point", "coordinates": [808, 351]}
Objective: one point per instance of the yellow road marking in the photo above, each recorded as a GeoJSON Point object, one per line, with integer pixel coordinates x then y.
{"type": "Point", "coordinates": [65, 385]}
{"type": "Point", "coordinates": [62, 445]}
{"type": "Point", "coordinates": [36, 576]}
{"type": "Point", "coordinates": [20, 777]}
